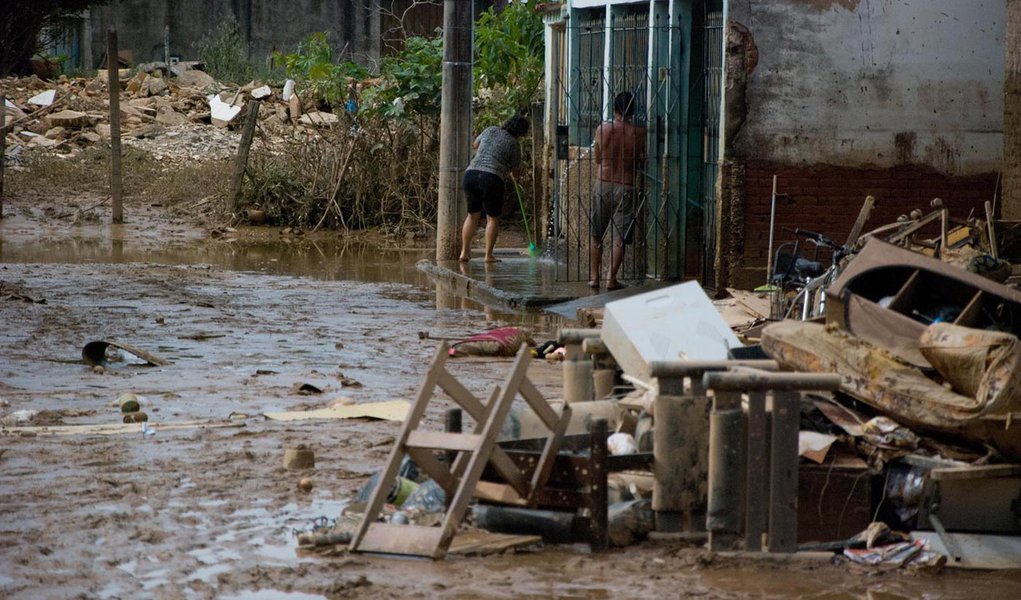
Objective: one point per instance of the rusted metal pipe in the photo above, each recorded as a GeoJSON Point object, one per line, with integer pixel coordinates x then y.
{"type": "Point", "coordinates": [690, 368]}
{"type": "Point", "coordinates": [747, 380]}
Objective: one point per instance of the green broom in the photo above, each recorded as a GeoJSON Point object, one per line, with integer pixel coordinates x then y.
{"type": "Point", "coordinates": [532, 250]}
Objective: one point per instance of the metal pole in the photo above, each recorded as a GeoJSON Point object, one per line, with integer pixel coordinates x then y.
{"type": "Point", "coordinates": [455, 124]}
{"type": "Point", "coordinates": [772, 225]}
{"type": "Point", "coordinates": [3, 146]}
{"type": "Point", "coordinates": [241, 162]}
{"type": "Point", "coordinates": [114, 83]}
{"type": "Point", "coordinates": [166, 47]}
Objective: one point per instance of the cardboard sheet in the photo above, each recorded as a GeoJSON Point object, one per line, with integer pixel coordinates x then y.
{"type": "Point", "coordinates": [393, 410]}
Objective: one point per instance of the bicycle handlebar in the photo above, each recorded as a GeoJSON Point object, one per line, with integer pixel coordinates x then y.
{"type": "Point", "coordinates": [816, 237]}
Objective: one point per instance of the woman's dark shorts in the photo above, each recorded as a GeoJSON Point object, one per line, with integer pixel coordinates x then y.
{"type": "Point", "coordinates": [483, 191]}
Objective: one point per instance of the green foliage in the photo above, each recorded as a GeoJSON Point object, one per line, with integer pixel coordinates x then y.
{"type": "Point", "coordinates": [411, 82]}
{"type": "Point", "coordinates": [393, 141]}
{"type": "Point", "coordinates": [509, 57]}
{"type": "Point", "coordinates": [312, 63]}
{"type": "Point", "coordinates": [225, 54]}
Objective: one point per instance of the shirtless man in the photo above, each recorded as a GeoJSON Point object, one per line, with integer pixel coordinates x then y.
{"type": "Point", "coordinates": [619, 149]}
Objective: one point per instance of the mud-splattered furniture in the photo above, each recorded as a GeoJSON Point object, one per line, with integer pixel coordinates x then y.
{"type": "Point", "coordinates": [472, 452]}
{"type": "Point", "coordinates": [577, 482]}
{"type": "Point", "coordinates": [753, 457]}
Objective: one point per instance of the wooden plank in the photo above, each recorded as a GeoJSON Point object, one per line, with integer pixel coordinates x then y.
{"type": "Point", "coordinates": [510, 471]}
{"type": "Point", "coordinates": [572, 499]}
{"type": "Point", "coordinates": [461, 462]}
{"type": "Point", "coordinates": [859, 223]}
{"type": "Point", "coordinates": [409, 540]}
{"type": "Point", "coordinates": [783, 468]}
{"type": "Point", "coordinates": [549, 453]}
{"type": "Point", "coordinates": [441, 440]}
{"type": "Point", "coordinates": [994, 246]}
{"type": "Point", "coordinates": [460, 394]}
{"type": "Point", "coordinates": [378, 497]}
{"type": "Point", "coordinates": [498, 492]}
{"type": "Point", "coordinates": [756, 489]}
{"type": "Point", "coordinates": [542, 408]}
{"type": "Point", "coordinates": [976, 472]}
{"type": "Point", "coordinates": [484, 543]}
{"type": "Point", "coordinates": [427, 461]}
{"type": "Point", "coordinates": [477, 462]}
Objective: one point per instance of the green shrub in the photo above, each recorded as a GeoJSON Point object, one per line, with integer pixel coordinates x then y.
{"type": "Point", "coordinates": [225, 54]}
{"type": "Point", "coordinates": [312, 63]}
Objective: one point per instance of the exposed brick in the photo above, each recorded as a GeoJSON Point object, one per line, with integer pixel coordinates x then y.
{"type": "Point", "coordinates": [827, 199]}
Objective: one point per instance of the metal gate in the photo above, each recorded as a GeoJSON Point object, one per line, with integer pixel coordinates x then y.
{"type": "Point", "coordinates": [662, 225]}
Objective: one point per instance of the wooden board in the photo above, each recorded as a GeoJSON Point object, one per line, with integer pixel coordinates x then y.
{"type": "Point", "coordinates": [394, 410]}
{"type": "Point", "coordinates": [410, 540]}
{"type": "Point", "coordinates": [484, 543]}
{"type": "Point", "coordinates": [115, 428]}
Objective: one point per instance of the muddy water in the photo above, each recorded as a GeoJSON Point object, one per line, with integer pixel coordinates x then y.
{"type": "Point", "coordinates": [210, 513]}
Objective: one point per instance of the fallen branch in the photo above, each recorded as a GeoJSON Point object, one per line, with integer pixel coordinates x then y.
{"type": "Point", "coordinates": [35, 114]}
{"type": "Point", "coordinates": [333, 197]}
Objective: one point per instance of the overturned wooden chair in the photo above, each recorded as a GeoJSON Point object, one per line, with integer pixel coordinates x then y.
{"type": "Point", "coordinates": [472, 452]}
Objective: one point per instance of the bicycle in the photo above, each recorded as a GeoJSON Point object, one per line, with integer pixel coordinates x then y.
{"type": "Point", "coordinates": [807, 279]}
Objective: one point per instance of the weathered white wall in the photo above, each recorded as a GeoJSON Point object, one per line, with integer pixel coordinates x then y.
{"type": "Point", "coordinates": [875, 82]}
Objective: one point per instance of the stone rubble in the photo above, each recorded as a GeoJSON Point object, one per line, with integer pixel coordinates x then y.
{"type": "Point", "coordinates": [175, 114]}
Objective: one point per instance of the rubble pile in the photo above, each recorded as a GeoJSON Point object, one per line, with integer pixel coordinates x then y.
{"type": "Point", "coordinates": [174, 113]}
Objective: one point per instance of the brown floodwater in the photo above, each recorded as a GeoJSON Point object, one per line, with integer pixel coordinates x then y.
{"type": "Point", "coordinates": [211, 513]}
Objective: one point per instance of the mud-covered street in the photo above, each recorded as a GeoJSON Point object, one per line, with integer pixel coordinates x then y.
{"type": "Point", "coordinates": [208, 511]}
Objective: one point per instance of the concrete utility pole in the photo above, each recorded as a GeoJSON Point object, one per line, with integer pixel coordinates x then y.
{"type": "Point", "coordinates": [1011, 204]}
{"type": "Point", "coordinates": [455, 124]}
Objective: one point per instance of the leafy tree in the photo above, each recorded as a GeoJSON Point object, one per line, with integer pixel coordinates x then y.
{"type": "Point", "coordinates": [509, 54]}
{"type": "Point", "coordinates": [21, 23]}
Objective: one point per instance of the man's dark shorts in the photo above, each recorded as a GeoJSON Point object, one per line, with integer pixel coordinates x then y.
{"type": "Point", "coordinates": [483, 191]}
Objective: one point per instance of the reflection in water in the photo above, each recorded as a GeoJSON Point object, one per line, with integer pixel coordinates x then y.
{"type": "Point", "coordinates": [324, 259]}
{"type": "Point", "coordinates": [337, 259]}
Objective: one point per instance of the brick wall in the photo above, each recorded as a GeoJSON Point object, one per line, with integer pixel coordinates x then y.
{"type": "Point", "coordinates": [827, 199]}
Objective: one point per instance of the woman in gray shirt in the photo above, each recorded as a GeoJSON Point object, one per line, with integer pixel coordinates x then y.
{"type": "Point", "coordinates": [497, 155]}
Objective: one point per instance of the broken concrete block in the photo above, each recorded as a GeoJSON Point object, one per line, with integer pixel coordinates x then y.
{"type": "Point", "coordinates": [155, 86]}
{"type": "Point", "coordinates": [170, 117]}
{"type": "Point", "coordinates": [134, 85]}
{"type": "Point", "coordinates": [103, 129]}
{"type": "Point", "coordinates": [56, 133]}
{"type": "Point", "coordinates": [294, 107]}
{"type": "Point", "coordinates": [320, 119]}
{"type": "Point", "coordinates": [195, 78]}
{"type": "Point", "coordinates": [71, 119]}
{"type": "Point", "coordinates": [288, 90]}
{"type": "Point", "coordinates": [43, 98]}
{"type": "Point", "coordinates": [91, 137]}
{"type": "Point", "coordinates": [42, 142]}
{"type": "Point", "coordinates": [221, 113]}
{"type": "Point", "coordinates": [261, 92]}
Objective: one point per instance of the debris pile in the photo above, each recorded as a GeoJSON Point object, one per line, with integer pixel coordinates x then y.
{"type": "Point", "coordinates": [175, 113]}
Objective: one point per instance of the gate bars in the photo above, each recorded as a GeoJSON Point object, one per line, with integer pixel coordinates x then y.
{"type": "Point", "coordinates": [670, 231]}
